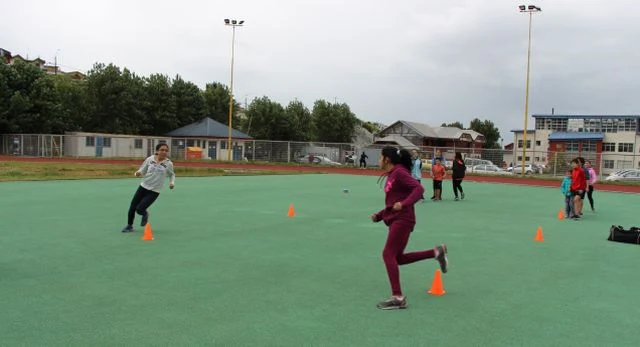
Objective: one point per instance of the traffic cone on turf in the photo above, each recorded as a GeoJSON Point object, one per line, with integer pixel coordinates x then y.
{"type": "Point", "coordinates": [539, 237]}
{"type": "Point", "coordinates": [291, 212]}
{"type": "Point", "coordinates": [148, 235]}
{"type": "Point", "coordinates": [561, 214]}
{"type": "Point", "coordinates": [436, 285]}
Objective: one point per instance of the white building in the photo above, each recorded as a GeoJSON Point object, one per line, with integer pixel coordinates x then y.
{"type": "Point", "coordinates": [83, 144]}
{"type": "Point", "coordinates": [536, 149]}
{"type": "Point", "coordinates": [609, 141]}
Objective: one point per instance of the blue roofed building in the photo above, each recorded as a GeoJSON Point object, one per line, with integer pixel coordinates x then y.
{"type": "Point", "coordinates": [210, 138]}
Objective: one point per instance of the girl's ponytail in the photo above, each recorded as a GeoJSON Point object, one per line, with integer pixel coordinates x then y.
{"type": "Point", "coordinates": [405, 159]}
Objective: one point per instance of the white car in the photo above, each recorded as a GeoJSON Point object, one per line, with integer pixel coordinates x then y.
{"type": "Point", "coordinates": [317, 159]}
{"type": "Point", "coordinates": [632, 175]}
{"type": "Point", "coordinates": [489, 170]}
{"type": "Point", "coordinates": [528, 169]}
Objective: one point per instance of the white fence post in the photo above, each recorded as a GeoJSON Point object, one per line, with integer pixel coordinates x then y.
{"type": "Point", "coordinates": [288, 151]}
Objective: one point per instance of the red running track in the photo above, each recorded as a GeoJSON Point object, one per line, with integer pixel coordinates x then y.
{"type": "Point", "coordinates": [322, 169]}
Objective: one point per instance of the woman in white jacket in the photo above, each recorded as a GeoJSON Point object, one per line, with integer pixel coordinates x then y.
{"type": "Point", "coordinates": [155, 169]}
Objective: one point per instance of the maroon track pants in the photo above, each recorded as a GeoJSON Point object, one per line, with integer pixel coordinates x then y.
{"type": "Point", "coordinates": [393, 253]}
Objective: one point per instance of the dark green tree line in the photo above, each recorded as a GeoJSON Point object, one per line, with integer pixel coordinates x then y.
{"type": "Point", "coordinates": [115, 100]}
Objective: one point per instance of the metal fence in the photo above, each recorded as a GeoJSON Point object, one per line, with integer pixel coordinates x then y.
{"type": "Point", "coordinates": [315, 153]}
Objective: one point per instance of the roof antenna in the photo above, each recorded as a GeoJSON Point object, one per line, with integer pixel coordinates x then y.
{"type": "Point", "coordinates": [552, 111]}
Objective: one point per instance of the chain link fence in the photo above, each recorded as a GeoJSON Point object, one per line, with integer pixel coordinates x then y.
{"type": "Point", "coordinates": [85, 145]}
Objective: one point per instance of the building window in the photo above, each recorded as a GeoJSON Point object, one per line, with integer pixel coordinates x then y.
{"type": "Point", "coordinates": [589, 146]}
{"type": "Point", "coordinates": [520, 143]}
{"type": "Point", "coordinates": [592, 125]}
{"type": "Point", "coordinates": [137, 143]}
{"type": "Point", "coordinates": [627, 125]}
{"type": "Point", "coordinates": [608, 164]}
{"type": "Point", "coordinates": [609, 147]}
{"type": "Point", "coordinates": [609, 125]}
{"type": "Point", "coordinates": [573, 146]}
{"type": "Point", "coordinates": [625, 147]}
{"type": "Point", "coordinates": [537, 143]}
{"type": "Point", "coordinates": [624, 164]}
{"type": "Point", "coordinates": [106, 142]}
{"type": "Point", "coordinates": [551, 124]}
{"type": "Point", "coordinates": [90, 141]}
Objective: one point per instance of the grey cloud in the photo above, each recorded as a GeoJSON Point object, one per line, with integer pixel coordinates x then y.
{"type": "Point", "coordinates": [429, 61]}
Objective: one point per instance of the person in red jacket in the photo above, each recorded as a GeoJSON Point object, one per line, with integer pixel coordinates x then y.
{"type": "Point", "coordinates": [578, 187]}
{"type": "Point", "coordinates": [402, 191]}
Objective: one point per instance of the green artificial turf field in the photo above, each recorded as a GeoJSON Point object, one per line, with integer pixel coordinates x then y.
{"type": "Point", "coordinates": [229, 268]}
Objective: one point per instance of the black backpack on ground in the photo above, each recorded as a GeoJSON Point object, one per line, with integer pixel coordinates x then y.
{"type": "Point", "coordinates": [618, 234]}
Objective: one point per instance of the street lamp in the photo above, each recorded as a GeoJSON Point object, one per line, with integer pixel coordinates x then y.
{"type": "Point", "coordinates": [232, 23]}
{"type": "Point", "coordinates": [531, 9]}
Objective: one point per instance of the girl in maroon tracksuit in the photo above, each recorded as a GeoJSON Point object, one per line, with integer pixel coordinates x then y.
{"type": "Point", "coordinates": [401, 193]}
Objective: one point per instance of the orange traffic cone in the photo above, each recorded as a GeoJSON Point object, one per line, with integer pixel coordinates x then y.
{"type": "Point", "coordinates": [561, 214]}
{"type": "Point", "coordinates": [436, 286]}
{"type": "Point", "coordinates": [539, 237]}
{"type": "Point", "coordinates": [291, 212]}
{"type": "Point", "coordinates": [148, 235]}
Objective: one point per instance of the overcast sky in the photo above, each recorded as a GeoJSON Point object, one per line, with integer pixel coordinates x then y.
{"type": "Point", "coordinates": [428, 61]}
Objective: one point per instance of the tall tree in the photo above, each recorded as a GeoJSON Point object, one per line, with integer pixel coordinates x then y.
{"type": "Point", "coordinates": [73, 108]}
{"type": "Point", "coordinates": [489, 130]}
{"type": "Point", "coordinates": [28, 100]}
{"type": "Point", "coordinates": [118, 98]}
{"type": "Point", "coordinates": [268, 120]}
{"type": "Point", "coordinates": [371, 127]}
{"type": "Point", "coordinates": [216, 101]}
{"type": "Point", "coordinates": [455, 124]}
{"type": "Point", "coordinates": [333, 122]}
{"type": "Point", "coordinates": [299, 121]}
{"type": "Point", "coordinates": [159, 105]}
{"type": "Point", "coordinates": [188, 101]}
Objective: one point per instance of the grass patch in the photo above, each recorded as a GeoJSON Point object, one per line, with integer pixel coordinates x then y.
{"type": "Point", "coordinates": [21, 171]}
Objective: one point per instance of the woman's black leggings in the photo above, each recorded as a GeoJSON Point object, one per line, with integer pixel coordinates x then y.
{"type": "Point", "coordinates": [140, 203]}
{"type": "Point", "coordinates": [590, 195]}
{"type": "Point", "coordinates": [457, 185]}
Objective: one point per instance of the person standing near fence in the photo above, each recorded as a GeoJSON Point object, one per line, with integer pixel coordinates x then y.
{"type": "Point", "coordinates": [363, 160]}
{"type": "Point", "coordinates": [459, 170]}
{"type": "Point", "coordinates": [440, 157]}
{"type": "Point", "coordinates": [155, 169]}
{"type": "Point", "coordinates": [565, 188]}
{"type": "Point", "coordinates": [438, 172]}
{"type": "Point", "coordinates": [401, 193]}
{"type": "Point", "coordinates": [590, 182]}
{"type": "Point", "coordinates": [416, 169]}
{"type": "Point", "coordinates": [578, 186]}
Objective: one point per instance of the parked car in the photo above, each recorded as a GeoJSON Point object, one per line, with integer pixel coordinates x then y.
{"type": "Point", "coordinates": [351, 159]}
{"type": "Point", "coordinates": [628, 175]}
{"type": "Point", "coordinates": [489, 170]}
{"type": "Point", "coordinates": [469, 162]}
{"type": "Point", "coordinates": [528, 169]}
{"type": "Point", "coordinates": [317, 159]}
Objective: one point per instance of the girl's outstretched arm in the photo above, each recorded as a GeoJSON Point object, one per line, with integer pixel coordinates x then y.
{"type": "Point", "coordinates": [172, 175]}
{"type": "Point", "coordinates": [143, 168]}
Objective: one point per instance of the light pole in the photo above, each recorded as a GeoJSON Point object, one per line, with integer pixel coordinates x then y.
{"type": "Point", "coordinates": [527, 9]}
{"type": "Point", "coordinates": [56, 61]}
{"type": "Point", "coordinates": [233, 23]}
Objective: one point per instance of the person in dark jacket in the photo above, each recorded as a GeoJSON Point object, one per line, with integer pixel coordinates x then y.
{"type": "Point", "coordinates": [458, 175]}
{"type": "Point", "coordinates": [402, 191]}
